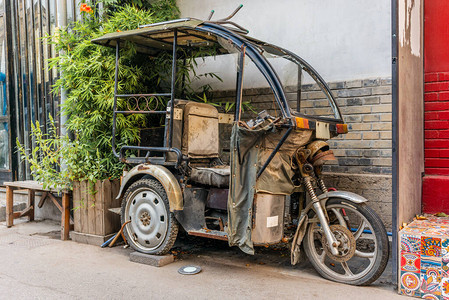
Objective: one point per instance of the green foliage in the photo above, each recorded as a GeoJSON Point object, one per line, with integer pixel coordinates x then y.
{"type": "Point", "coordinates": [187, 75]}
{"type": "Point", "coordinates": [164, 9]}
{"type": "Point", "coordinates": [53, 150]}
{"type": "Point", "coordinates": [45, 158]}
{"type": "Point", "coordinates": [89, 71]}
{"type": "Point", "coordinates": [226, 106]}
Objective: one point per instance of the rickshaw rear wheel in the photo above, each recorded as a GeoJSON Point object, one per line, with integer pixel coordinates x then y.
{"type": "Point", "coordinates": [353, 225]}
{"type": "Point", "coordinates": [153, 228]}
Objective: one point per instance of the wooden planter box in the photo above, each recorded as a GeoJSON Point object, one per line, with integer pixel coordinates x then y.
{"type": "Point", "coordinates": [93, 222]}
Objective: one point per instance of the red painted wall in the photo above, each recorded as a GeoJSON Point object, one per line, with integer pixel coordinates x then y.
{"type": "Point", "coordinates": [436, 124]}
{"type": "Point", "coordinates": [436, 106]}
{"type": "Point", "coordinates": [436, 36]}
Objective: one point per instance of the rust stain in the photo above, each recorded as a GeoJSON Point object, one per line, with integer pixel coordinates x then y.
{"type": "Point", "coordinates": [142, 167]}
{"type": "Point", "coordinates": [209, 235]}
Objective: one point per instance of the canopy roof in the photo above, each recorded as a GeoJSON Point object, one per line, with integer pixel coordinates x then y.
{"type": "Point", "coordinates": [158, 37]}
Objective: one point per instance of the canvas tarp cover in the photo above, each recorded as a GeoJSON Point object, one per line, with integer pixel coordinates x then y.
{"type": "Point", "coordinates": [249, 151]}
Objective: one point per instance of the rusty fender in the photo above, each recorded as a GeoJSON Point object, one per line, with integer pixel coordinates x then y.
{"type": "Point", "coordinates": [351, 197]}
{"type": "Point", "coordinates": [164, 176]}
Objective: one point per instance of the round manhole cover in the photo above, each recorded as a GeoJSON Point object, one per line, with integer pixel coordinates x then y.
{"type": "Point", "coordinates": [189, 270]}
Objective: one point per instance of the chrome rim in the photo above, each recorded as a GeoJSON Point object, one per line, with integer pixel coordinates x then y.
{"type": "Point", "coordinates": [365, 253]}
{"type": "Point", "coordinates": [149, 219]}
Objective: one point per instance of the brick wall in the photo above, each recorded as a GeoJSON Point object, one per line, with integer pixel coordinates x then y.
{"type": "Point", "coordinates": [375, 188]}
{"type": "Point", "coordinates": [436, 144]}
{"type": "Point", "coordinates": [366, 108]}
{"type": "Point", "coordinates": [436, 106]}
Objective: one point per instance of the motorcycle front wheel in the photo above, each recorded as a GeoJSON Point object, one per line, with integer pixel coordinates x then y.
{"type": "Point", "coordinates": [363, 243]}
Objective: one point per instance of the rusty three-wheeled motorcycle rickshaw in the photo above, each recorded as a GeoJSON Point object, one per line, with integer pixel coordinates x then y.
{"type": "Point", "coordinates": [268, 188]}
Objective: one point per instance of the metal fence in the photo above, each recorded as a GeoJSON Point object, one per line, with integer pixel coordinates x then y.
{"type": "Point", "coordinates": [25, 80]}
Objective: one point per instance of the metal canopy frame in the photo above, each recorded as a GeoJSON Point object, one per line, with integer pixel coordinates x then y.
{"type": "Point", "coordinates": [206, 31]}
{"type": "Point", "coordinates": [245, 47]}
{"type": "Point", "coordinates": [167, 148]}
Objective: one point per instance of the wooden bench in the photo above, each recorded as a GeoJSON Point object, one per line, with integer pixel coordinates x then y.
{"type": "Point", "coordinates": [33, 187]}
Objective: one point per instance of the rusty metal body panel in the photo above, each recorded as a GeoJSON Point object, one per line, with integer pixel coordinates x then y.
{"type": "Point", "coordinates": [218, 198]}
{"type": "Point", "coordinates": [163, 175]}
{"type": "Point", "coordinates": [192, 215]}
{"type": "Point", "coordinates": [212, 234]}
{"type": "Point", "coordinates": [268, 218]}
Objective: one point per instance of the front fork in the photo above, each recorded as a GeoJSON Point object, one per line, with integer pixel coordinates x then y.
{"type": "Point", "coordinates": [306, 170]}
{"type": "Point", "coordinates": [333, 243]}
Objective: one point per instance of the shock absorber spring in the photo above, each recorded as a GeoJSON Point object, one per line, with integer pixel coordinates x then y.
{"type": "Point", "coordinates": [322, 185]}
{"type": "Point", "coordinates": [310, 190]}
{"type": "Point", "coordinates": [322, 216]}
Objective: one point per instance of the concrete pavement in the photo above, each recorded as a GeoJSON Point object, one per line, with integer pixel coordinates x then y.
{"type": "Point", "coordinates": [36, 266]}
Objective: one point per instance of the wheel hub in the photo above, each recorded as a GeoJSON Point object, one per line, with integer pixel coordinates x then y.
{"type": "Point", "coordinates": [145, 218]}
{"type": "Point", "coordinates": [346, 241]}
{"type": "Point", "coordinates": [148, 215]}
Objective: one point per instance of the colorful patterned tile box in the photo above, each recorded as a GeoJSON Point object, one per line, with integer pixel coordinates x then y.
{"type": "Point", "coordinates": [424, 264]}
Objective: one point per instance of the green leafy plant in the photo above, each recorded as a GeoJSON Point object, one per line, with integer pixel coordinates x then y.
{"type": "Point", "coordinates": [167, 9]}
{"type": "Point", "coordinates": [88, 77]}
{"type": "Point", "coordinates": [56, 160]}
{"type": "Point", "coordinates": [45, 157]}
{"type": "Point", "coordinates": [226, 106]}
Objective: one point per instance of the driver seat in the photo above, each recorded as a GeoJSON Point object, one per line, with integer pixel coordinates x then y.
{"type": "Point", "coordinates": [217, 176]}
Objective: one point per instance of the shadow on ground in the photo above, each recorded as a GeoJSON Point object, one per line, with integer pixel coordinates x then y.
{"type": "Point", "coordinates": [192, 249]}
{"type": "Point", "coordinates": [276, 256]}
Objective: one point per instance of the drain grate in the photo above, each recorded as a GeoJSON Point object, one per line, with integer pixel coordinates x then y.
{"type": "Point", "coordinates": [28, 242]}
{"type": "Point", "coordinates": [8, 238]}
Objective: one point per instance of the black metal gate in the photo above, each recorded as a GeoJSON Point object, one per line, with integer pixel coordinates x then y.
{"type": "Point", "coordinates": [25, 81]}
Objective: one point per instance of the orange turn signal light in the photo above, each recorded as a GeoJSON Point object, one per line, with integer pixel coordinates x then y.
{"type": "Point", "coordinates": [302, 123]}
{"type": "Point", "coordinates": [342, 128]}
